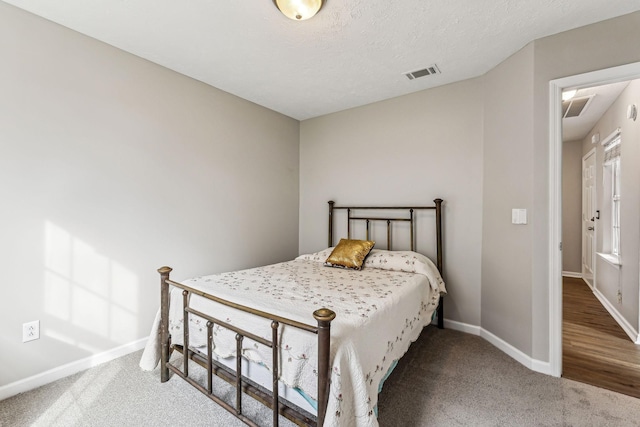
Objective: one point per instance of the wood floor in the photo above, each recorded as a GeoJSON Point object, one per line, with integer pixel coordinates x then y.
{"type": "Point", "coordinates": [595, 349]}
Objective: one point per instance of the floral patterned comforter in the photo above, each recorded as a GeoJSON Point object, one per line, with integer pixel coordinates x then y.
{"type": "Point", "coordinates": [380, 310]}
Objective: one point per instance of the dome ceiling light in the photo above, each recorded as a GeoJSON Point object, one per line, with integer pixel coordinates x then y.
{"type": "Point", "coordinates": [298, 10]}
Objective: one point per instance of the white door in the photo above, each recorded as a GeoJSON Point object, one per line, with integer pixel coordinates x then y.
{"type": "Point", "coordinates": [588, 215]}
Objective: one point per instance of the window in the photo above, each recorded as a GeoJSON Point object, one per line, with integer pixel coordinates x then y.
{"type": "Point", "coordinates": [615, 210]}
{"type": "Point", "coordinates": [611, 177]}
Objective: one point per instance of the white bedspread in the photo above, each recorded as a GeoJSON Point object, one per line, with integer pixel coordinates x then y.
{"type": "Point", "coordinates": [380, 310]}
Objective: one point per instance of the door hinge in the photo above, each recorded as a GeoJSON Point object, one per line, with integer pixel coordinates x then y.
{"type": "Point", "coordinates": [560, 246]}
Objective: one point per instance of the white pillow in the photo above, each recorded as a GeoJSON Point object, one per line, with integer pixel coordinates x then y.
{"type": "Point", "coordinates": [317, 256]}
{"type": "Point", "coordinates": [407, 261]}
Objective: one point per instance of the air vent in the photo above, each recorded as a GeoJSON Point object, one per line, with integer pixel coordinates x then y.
{"type": "Point", "coordinates": [575, 106]}
{"type": "Point", "coordinates": [430, 70]}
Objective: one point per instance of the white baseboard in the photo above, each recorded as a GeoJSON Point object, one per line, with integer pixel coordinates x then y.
{"type": "Point", "coordinates": [54, 374]}
{"type": "Point", "coordinates": [533, 364]}
{"type": "Point", "coordinates": [572, 274]}
{"type": "Point", "coordinates": [624, 323]}
{"type": "Point", "coordinates": [529, 362]}
{"type": "Point", "coordinates": [542, 367]}
{"type": "Point", "coordinates": [97, 359]}
{"type": "Point", "coordinates": [462, 327]}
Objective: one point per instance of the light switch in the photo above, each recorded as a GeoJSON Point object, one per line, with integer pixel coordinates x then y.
{"type": "Point", "coordinates": [518, 216]}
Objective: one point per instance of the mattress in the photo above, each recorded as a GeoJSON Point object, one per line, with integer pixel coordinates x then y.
{"type": "Point", "coordinates": [380, 310]}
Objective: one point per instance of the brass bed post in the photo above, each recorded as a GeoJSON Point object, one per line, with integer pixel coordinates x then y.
{"type": "Point", "coordinates": [276, 375]}
{"type": "Point", "coordinates": [439, 262]}
{"type": "Point", "coordinates": [324, 316]}
{"type": "Point", "coordinates": [164, 322]}
{"type": "Point", "coordinates": [185, 331]}
{"type": "Point", "coordinates": [331, 202]}
{"type": "Point", "coordinates": [239, 339]}
{"type": "Point", "coordinates": [209, 356]}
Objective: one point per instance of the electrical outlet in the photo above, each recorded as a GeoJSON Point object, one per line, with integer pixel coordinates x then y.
{"type": "Point", "coordinates": [31, 331]}
{"type": "Point", "coordinates": [619, 297]}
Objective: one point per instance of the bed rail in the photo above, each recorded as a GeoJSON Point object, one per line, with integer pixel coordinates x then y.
{"type": "Point", "coordinates": [323, 316]}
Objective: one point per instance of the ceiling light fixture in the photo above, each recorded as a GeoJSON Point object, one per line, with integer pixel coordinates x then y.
{"type": "Point", "coordinates": [298, 10]}
{"type": "Point", "coordinates": [568, 94]}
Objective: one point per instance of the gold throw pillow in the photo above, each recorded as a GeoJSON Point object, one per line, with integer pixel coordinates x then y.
{"type": "Point", "coordinates": [350, 253]}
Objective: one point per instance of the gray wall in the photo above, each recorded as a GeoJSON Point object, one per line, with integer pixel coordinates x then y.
{"type": "Point", "coordinates": [609, 279]}
{"type": "Point", "coordinates": [508, 167]}
{"type": "Point", "coordinates": [111, 167]}
{"type": "Point", "coordinates": [572, 206]}
{"type": "Point", "coordinates": [406, 150]}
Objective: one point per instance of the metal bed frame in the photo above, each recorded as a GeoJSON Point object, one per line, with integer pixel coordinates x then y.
{"type": "Point", "coordinates": [323, 316]}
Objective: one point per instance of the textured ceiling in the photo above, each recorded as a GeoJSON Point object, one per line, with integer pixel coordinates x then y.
{"type": "Point", "coordinates": [354, 52]}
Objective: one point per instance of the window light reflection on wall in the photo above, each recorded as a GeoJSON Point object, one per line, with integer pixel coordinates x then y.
{"type": "Point", "coordinates": [88, 295]}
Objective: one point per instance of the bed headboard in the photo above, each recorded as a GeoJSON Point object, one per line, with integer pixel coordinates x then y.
{"type": "Point", "coordinates": [405, 214]}
{"type": "Point", "coordinates": [391, 215]}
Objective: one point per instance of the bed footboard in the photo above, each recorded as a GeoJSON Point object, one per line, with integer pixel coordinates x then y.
{"type": "Point", "coordinates": [271, 399]}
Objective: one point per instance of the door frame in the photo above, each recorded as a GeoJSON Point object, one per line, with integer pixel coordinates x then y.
{"type": "Point", "coordinates": [595, 78]}
{"type": "Point", "coordinates": [592, 285]}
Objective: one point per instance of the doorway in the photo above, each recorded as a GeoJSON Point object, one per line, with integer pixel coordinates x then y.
{"type": "Point", "coordinates": [556, 87]}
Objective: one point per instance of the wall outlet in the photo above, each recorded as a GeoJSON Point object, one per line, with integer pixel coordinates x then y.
{"type": "Point", "coordinates": [31, 331]}
{"type": "Point", "coordinates": [619, 297]}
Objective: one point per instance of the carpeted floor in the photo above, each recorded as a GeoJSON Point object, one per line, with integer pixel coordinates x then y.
{"type": "Point", "coordinates": [447, 378]}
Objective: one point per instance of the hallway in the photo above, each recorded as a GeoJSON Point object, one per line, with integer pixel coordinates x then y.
{"type": "Point", "coordinates": [595, 349]}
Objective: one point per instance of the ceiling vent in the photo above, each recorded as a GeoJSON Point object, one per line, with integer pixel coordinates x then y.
{"type": "Point", "coordinates": [575, 106]}
{"type": "Point", "coordinates": [430, 70]}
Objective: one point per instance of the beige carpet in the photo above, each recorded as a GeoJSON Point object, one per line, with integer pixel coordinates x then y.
{"type": "Point", "coordinates": [447, 378]}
